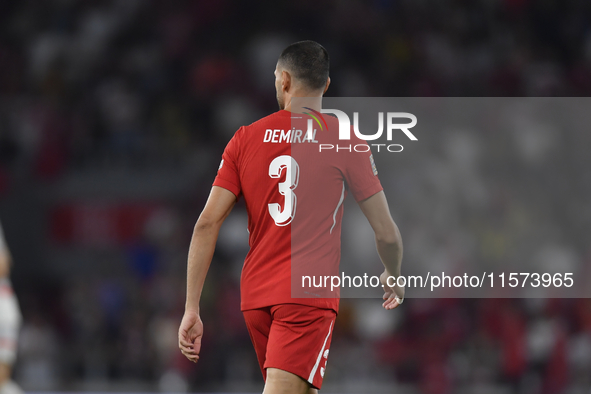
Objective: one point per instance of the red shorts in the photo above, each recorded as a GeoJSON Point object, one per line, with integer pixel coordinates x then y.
{"type": "Point", "coordinates": [293, 338]}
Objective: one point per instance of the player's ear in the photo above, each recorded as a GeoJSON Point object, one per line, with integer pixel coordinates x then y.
{"type": "Point", "coordinates": [285, 80]}
{"type": "Point", "coordinates": [327, 85]}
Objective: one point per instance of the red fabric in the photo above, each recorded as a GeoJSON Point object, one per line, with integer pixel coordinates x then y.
{"type": "Point", "coordinates": [310, 243]}
{"type": "Point", "coordinates": [293, 338]}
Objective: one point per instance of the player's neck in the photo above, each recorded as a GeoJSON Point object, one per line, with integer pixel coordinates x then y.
{"type": "Point", "coordinates": [303, 103]}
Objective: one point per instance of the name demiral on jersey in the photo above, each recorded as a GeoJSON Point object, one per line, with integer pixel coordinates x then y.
{"type": "Point", "coordinates": [292, 136]}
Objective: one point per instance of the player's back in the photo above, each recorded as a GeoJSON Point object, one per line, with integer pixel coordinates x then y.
{"type": "Point", "coordinates": [293, 194]}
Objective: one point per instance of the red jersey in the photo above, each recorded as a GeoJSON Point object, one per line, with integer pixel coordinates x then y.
{"type": "Point", "coordinates": [294, 194]}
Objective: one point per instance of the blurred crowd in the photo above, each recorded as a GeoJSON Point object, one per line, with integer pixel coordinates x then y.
{"type": "Point", "coordinates": [144, 87]}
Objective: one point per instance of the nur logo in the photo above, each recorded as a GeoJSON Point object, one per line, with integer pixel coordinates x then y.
{"type": "Point", "coordinates": [345, 129]}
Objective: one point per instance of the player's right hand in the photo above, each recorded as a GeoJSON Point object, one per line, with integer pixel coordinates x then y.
{"type": "Point", "coordinates": [393, 296]}
{"type": "Point", "coordinates": [190, 333]}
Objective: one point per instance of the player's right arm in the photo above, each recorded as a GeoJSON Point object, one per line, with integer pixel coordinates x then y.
{"type": "Point", "coordinates": [218, 207]}
{"type": "Point", "coordinates": [388, 243]}
{"type": "Point", "coordinates": [4, 256]}
{"type": "Point", "coordinates": [4, 263]}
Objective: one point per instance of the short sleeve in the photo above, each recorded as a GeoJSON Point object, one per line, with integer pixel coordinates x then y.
{"type": "Point", "coordinates": [361, 174]}
{"type": "Point", "coordinates": [228, 175]}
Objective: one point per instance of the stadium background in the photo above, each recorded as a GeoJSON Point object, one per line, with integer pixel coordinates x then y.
{"type": "Point", "coordinates": [113, 117]}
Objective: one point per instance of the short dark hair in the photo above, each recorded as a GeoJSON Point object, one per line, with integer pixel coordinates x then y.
{"type": "Point", "coordinates": [308, 61]}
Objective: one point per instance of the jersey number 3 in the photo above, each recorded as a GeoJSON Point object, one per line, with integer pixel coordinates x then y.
{"type": "Point", "coordinates": [292, 175]}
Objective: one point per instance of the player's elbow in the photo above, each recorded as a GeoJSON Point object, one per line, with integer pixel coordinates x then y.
{"type": "Point", "coordinates": [389, 239]}
{"type": "Point", "coordinates": [206, 223]}
{"type": "Point", "coordinates": [388, 234]}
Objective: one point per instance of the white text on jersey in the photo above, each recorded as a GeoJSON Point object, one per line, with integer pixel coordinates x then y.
{"type": "Point", "coordinates": [291, 136]}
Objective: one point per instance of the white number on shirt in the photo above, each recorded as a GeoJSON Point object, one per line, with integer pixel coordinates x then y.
{"type": "Point", "coordinates": [292, 175]}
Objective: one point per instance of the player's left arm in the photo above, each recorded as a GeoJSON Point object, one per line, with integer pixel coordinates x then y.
{"type": "Point", "coordinates": [218, 207]}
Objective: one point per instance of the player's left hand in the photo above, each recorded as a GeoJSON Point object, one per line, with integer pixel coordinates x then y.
{"type": "Point", "coordinates": [190, 333]}
{"type": "Point", "coordinates": [393, 296]}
